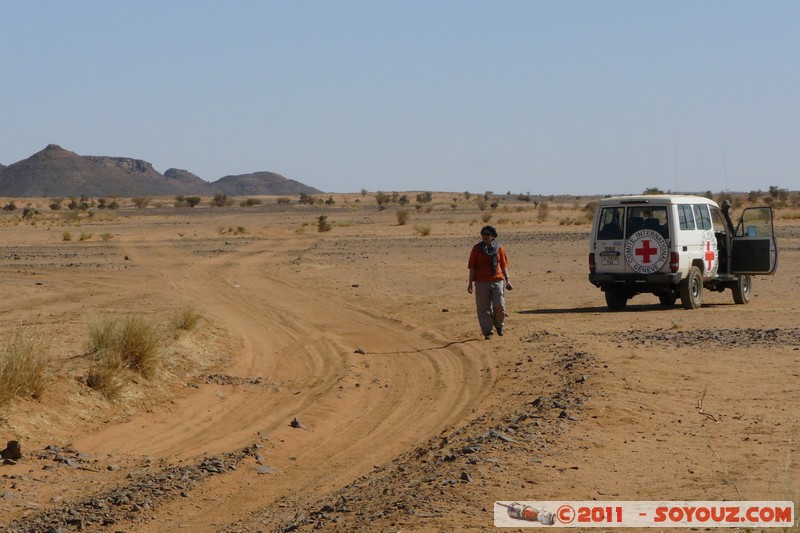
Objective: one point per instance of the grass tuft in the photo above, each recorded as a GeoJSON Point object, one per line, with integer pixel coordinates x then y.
{"type": "Point", "coordinates": [131, 343]}
{"type": "Point", "coordinates": [23, 366]}
{"type": "Point", "coordinates": [184, 319]}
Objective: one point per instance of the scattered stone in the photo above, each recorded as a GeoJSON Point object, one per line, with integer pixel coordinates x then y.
{"type": "Point", "coordinates": [13, 451]}
{"type": "Point", "coordinates": [295, 423]}
{"type": "Point", "coordinates": [502, 436]}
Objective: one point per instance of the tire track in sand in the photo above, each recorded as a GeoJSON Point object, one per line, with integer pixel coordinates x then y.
{"type": "Point", "coordinates": [361, 409]}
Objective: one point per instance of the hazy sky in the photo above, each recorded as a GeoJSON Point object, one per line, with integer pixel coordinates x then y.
{"type": "Point", "coordinates": [444, 95]}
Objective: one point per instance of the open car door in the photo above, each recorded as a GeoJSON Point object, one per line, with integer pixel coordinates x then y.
{"type": "Point", "coordinates": [754, 249]}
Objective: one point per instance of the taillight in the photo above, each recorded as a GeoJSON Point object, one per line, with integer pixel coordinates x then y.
{"type": "Point", "coordinates": [592, 264]}
{"type": "Point", "coordinates": [673, 262]}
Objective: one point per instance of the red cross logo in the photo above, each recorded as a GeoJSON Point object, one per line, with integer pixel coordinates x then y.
{"type": "Point", "coordinates": [710, 255]}
{"type": "Point", "coordinates": [646, 251]}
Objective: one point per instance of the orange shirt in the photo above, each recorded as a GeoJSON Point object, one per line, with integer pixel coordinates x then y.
{"type": "Point", "coordinates": [482, 264]}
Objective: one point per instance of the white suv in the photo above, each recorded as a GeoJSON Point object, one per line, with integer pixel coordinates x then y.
{"type": "Point", "coordinates": [675, 246]}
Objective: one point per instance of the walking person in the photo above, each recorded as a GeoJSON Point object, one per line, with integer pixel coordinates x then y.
{"type": "Point", "coordinates": [488, 277]}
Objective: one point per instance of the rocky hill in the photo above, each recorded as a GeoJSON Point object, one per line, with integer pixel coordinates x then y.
{"type": "Point", "coordinates": [251, 184]}
{"type": "Point", "coordinates": [56, 172]}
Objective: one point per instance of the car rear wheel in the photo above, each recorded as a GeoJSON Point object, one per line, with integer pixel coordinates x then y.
{"type": "Point", "coordinates": [743, 290]}
{"type": "Point", "coordinates": [616, 299]}
{"type": "Point", "coordinates": [692, 289]}
{"type": "Point", "coordinates": [667, 299]}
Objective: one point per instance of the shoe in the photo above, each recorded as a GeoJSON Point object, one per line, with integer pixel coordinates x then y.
{"type": "Point", "coordinates": [487, 336]}
{"type": "Point", "coordinates": [501, 331]}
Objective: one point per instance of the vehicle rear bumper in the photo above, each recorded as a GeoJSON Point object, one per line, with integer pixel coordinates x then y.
{"type": "Point", "coordinates": [636, 280]}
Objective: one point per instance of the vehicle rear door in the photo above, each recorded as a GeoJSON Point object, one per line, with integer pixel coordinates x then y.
{"type": "Point", "coordinates": [754, 249]}
{"type": "Point", "coordinates": [609, 240]}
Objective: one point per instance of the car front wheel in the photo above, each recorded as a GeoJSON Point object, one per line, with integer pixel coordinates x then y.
{"type": "Point", "coordinates": [743, 290]}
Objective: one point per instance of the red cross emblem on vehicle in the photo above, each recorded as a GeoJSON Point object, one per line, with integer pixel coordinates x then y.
{"type": "Point", "coordinates": [710, 255]}
{"type": "Point", "coordinates": [646, 251]}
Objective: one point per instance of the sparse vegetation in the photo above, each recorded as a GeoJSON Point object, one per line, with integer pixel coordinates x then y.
{"type": "Point", "coordinates": [283, 201]}
{"type": "Point", "coordinates": [220, 200]}
{"type": "Point", "coordinates": [140, 202]}
{"type": "Point", "coordinates": [66, 236]}
{"type": "Point", "coordinates": [184, 319]}
{"type": "Point", "coordinates": [382, 199]}
{"type": "Point", "coordinates": [424, 198]}
{"type": "Point", "coordinates": [403, 216]}
{"type": "Point", "coordinates": [542, 212]}
{"type": "Point", "coordinates": [130, 343]}
{"type": "Point", "coordinates": [322, 224]}
{"type": "Point", "coordinates": [423, 230]}
{"type": "Point", "coordinates": [238, 230]}
{"type": "Point", "coordinates": [23, 365]}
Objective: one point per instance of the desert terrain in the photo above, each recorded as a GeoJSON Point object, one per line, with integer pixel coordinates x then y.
{"type": "Point", "coordinates": [338, 381]}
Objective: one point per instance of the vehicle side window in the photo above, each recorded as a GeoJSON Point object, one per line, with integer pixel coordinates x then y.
{"type": "Point", "coordinates": [755, 222]}
{"type": "Point", "coordinates": [719, 222]}
{"type": "Point", "coordinates": [686, 217]}
{"type": "Point", "coordinates": [702, 216]}
{"type": "Point", "coordinates": [610, 226]}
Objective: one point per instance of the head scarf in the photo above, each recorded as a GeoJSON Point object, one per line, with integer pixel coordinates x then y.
{"type": "Point", "coordinates": [491, 251]}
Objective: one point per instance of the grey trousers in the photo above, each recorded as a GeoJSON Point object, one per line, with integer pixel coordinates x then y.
{"type": "Point", "coordinates": [491, 304]}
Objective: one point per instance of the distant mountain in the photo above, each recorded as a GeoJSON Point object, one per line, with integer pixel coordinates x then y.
{"type": "Point", "coordinates": [255, 183]}
{"type": "Point", "coordinates": [56, 172]}
{"type": "Point", "coordinates": [185, 178]}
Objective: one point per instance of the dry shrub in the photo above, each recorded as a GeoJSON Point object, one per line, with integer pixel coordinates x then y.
{"type": "Point", "coordinates": [131, 343]}
{"type": "Point", "coordinates": [402, 216]}
{"type": "Point", "coordinates": [184, 319]}
{"type": "Point", "coordinates": [322, 224]}
{"type": "Point", "coordinates": [107, 375]}
{"type": "Point", "coordinates": [422, 229]}
{"type": "Point", "coordinates": [23, 365]}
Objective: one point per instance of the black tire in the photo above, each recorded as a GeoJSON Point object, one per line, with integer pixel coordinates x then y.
{"type": "Point", "coordinates": [743, 290]}
{"type": "Point", "coordinates": [616, 299]}
{"type": "Point", "coordinates": [667, 299]}
{"type": "Point", "coordinates": [692, 289]}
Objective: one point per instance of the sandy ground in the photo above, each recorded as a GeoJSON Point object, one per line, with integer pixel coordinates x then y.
{"type": "Point", "coordinates": [366, 337]}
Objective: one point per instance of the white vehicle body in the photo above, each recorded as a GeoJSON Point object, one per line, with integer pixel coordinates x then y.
{"type": "Point", "coordinates": [674, 246]}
